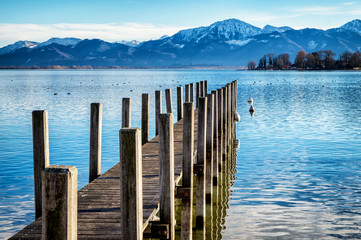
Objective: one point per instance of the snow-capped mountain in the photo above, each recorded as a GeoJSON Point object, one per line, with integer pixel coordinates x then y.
{"type": "Point", "coordinates": [354, 26]}
{"type": "Point", "coordinates": [17, 45]}
{"type": "Point", "coordinates": [271, 29]}
{"type": "Point", "coordinates": [230, 29]}
{"type": "Point", "coordinates": [132, 43]}
{"type": "Point", "coordinates": [225, 43]}
{"type": "Point", "coordinates": [60, 41]}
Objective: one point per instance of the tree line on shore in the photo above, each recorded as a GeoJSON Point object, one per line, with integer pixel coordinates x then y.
{"type": "Point", "coordinates": [320, 60]}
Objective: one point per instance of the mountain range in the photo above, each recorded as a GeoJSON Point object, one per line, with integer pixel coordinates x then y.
{"type": "Point", "coordinates": [230, 42]}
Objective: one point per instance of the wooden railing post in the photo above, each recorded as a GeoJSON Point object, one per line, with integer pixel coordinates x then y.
{"type": "Point", "coordinates": [215, 137]}
{"type": "Point", "coordinates": [191, 92]}
{"type": "Point", "coordinates": [179, 103]}
{"type": "Point", "coordinates": [166, 175]}
{"type": "Point", "coordinates": [229, 120]}
{"type": "Point", "coordinates": [145, 118]}
{"type": "Point", "coordinates": [40, 154]}
{"type": "Point", "coordinates": [209, 149]}
{"type": "Point", "coordinates": [158, 109]}
{"type": "Point", "coordinates": [126, 112]}
{"type": "Point", "coordinates": [201, 164]}
{"type": "Point", "coordinates": [95, 151]}
{"type": "Point", "coordinates": [187, 181]}
{"type": "Point", "coordinates": [131, 196]}
{"type": "Point", "coordinates": [60, 203]}
{"type": "Point", "coordinates": [187, 93]}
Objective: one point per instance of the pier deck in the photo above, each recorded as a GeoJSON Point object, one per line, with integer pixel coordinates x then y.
{"type": "Point", "coordinates": [99, 201]}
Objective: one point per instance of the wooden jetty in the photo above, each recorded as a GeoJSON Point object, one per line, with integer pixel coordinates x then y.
{"type": "Point", "coordinates": [135, 198]}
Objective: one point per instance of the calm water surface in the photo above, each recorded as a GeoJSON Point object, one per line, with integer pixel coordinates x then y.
{"type": "Point", "coordinates": [298, 164]}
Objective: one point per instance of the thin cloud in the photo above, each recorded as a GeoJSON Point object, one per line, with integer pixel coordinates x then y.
{"type": "Point", "coordinates": [10, 33]}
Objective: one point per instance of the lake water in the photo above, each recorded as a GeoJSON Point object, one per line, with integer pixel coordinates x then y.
{"type": "Point", "coordinates": [298, 165]}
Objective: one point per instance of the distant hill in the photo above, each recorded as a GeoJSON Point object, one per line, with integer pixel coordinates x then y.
{"type": "Point", "coordinates": [231, 42]}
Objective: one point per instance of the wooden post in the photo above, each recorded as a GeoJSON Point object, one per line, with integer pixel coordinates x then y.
{"type": "Point", "coordinates": [209, 149]}
{"type": "Point", "coordinates": [168, 100]}
{"type": "Point", "coordinates": [191, 92]}
{"type": "Point", "coordinates": [206, 87]}
{"type": "Point", "coordinates": [187, 93]}
{"type": "Point", "coordinates": [126, 112]}
{"type": "Point", "coordinates": [95, 151]}
{"type": "Point", "coordinates": [145, 118]}
{"type": "Point", "coordinates": [197, 94]}
{"type": "Point", "coordinates": [225, 133]}
{"type": "Point", "coordinates": [187, 181]}
{"type": "Point", "coordinates": [179, 103]}
{"type": "Point", "coordinates": [215, 137]}
{"type": "Point", "coordinates": [201, 93]}
{"type": "Point", "coordinates": [40, 154]}
{"type": "Point", "coordinates": [158, 109]}
{"type": "Point", "coordinates": [220, 128]}
{"type": "Point", "coordinates": [201, 155]}
{"type": "Point", "coordinates": [229, 120]}
{"type": "Point", "coordinates": [60, 203]}
{"type": "Point", "coordinates": [131, 198]}
{"type": "Point", "coordinates": [166, 175]}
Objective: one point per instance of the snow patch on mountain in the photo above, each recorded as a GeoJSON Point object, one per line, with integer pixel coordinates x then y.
{"type": "Point", "coordinates": [271, 29]}
{"type": "Point", "coordinates": [60, 41]}
{"type": "Point", "coordinates": [132, 43]}
{"type": "Point", "coordinates": [239, 43]}
{"type": "Point", "coordinates": [230, 29]}
{"type": "Point", "coordinates": [312, 45]}
{"type": "Point", "coordinates": [354, 26]}
{"type": "Point", "coordinates": [15, 46]}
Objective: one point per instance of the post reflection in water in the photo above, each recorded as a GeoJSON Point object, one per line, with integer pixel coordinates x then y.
{"type": "Point", "coordinates": [216, 211]}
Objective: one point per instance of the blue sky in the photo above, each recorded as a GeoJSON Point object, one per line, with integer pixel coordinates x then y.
{"type": "Point", "coordinates": [112, 20]}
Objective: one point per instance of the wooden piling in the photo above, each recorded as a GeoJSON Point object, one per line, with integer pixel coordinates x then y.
{"type": "Point", "coordinates": [40, 154]}
{"type": "Point", "coordinates": [201, 163]}
{"type": "Point", "coordinates": [168, 100]}
{"type": "Point", "coordinates": [197, 94]}
{"type": "Point", "coordinates": [220, 128]}
{"type": "Point", "coordinates": [179, 103]}
{"type": "Point", "coordinates": [187, 93]}
{"type": "Point", "coordinates": [126, 112]}
{"type": "Point", "coordinates": [95, 151]}
{"type": "Point", "coordinates": [191, 92]}
{"type": "Point", "coordinates": [145, 118]}
{"type": "Point", "coordinates": [131, 198]}
{"type": "Point", "coordinates": [158, 109]}
{"type": "Point", "coordinates": [206, 87]}
{"type": "Point", "coordinates": [209, 149]}
{"type": "Point", "coordinates": [229, 111]}
{"type": "Point", "coordinates": [201, 86]}
{"type": "Point", "coordinates": [215, 138]}
{"type": "Point", "coordinates": [166, 175]}
{"type": "Point", "coordinates": [187, 181]}
{"type": "Point", "coordinates": [225, 132]}
{"type": "Point", "coordinates": [60, 203]}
